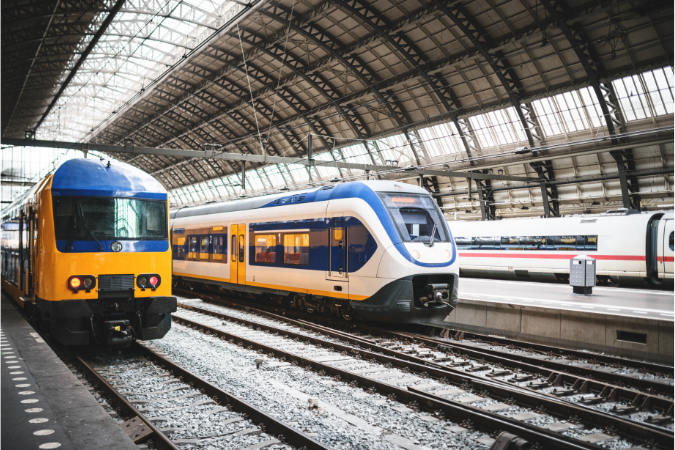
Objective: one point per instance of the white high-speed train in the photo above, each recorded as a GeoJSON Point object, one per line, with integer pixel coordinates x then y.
{"type": "Point", "coordinates": [377, 250]}
{"type": "Point", "coordinates": [630, 248]}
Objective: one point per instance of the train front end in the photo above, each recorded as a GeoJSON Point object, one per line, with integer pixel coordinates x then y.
{"type": "Point", "coordinates": [102, 258]}
{"type": "Point", "coordinates": [417, 275]}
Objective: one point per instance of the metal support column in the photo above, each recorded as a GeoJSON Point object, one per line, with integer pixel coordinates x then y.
{"type": "Point", "coordinates": [488, 210]}
{"type": "Point", "coordinates": [549, 192]}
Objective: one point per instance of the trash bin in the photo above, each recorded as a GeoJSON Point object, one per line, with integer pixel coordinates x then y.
{"type": "Point", "coordinates": [582, 274]}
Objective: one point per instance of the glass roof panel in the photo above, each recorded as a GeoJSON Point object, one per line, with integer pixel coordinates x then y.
{"type": "Point", "coordinates": [145, 38]}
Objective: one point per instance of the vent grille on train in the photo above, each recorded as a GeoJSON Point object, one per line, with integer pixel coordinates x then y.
{"type": "Point", "coordinates": [115, 282]}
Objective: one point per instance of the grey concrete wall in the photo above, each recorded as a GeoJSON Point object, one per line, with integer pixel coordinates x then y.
{"type": "Point", "coordinates": [571, 329]}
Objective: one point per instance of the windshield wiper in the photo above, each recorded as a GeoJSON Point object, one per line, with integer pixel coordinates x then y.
{"type": "Point", "coordinates": [71, 238]}
{"type": "Point", "coordinates": [433, 233]}
{"type": "Point", "coordinates": [84, 223]}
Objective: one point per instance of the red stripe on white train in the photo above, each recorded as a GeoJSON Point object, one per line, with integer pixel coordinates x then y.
{"type": "Point", "coordinates": [557, 256]}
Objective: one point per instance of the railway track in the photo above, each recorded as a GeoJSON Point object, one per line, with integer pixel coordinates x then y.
{"type": "Point", "coordinates": [424, 384]}
{"type": "Point", "coordinates": [175, 407]}
{"type": "Point", "coordinates": [644, 400]}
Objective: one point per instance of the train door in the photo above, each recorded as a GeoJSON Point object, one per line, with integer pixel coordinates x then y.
{"type": "Point", "coordinates": [241, 254]}
{"type": "Point", "coordinates": [667, 243]}
{"type": "Point", "coordinates": [337, 260]}
{"type": "Point", "coordinates": [234, 256]}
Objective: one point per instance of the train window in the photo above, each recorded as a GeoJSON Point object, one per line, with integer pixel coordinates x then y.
{"type": "Point", "coordinates": [510, 243]}
{"type": "Point", "coordinates": [241, 248]}
{"type": "Point", "coordinates": [265, 248]}
{"type": "Point", "coordinates": [204, 247]}
{"type": "Point", "coordinates": [219, 247]}
{"type": "Point", "coordinates": [463, 243]}
{"type": "Point", "coordinates": [181, 248]}
{"type": "Point", "coordinates": [561, 243]}
{"type": "Point", "coordinates": [296, 249]}
{"type": "Point", "coordinates": [109, 218]}
{"type": "Point", "coordinates": [415, 216]}
{"type": "Point", "coordinates": [590, 243]}
{"type": "Point", "coordinates": [193, 247]}
{"type": "Point", "coordinates": [670, 241]}
{"type": "Point", "coordinates": [487, 243]}
{"type": "Point", "coordinates": [234, 248]}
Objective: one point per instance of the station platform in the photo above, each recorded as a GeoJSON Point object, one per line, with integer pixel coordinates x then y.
{"type": "Point", "coordinates": [635, 323]}
{"type": "Point", "coordinates": [44, 406]}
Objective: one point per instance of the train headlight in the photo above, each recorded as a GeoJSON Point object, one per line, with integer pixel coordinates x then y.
{"type": "Point", "coordinates": [81, 282]}
{"type": "Point", "coordinates": [148, 280]}
{"type": "Point", "coordinates": [75, 283]}
{"type": "Point", "coordinates": [448, 254]}
{"type": "Point", "coordinates": [116, 246]}
{"type": "Point", "coordinates": [415, 254]}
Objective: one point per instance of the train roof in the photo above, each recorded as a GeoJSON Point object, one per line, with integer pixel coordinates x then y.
{"type": "Point", "coordinates": [101, 178]}
{"type": "Point", "coordinates": [315, 194]}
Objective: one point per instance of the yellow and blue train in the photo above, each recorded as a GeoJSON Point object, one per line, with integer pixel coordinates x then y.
{"type": "Point", "coordinates": [86, 252]}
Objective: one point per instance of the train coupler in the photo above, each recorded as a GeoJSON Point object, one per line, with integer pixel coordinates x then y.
{"type": "Point", "coordinates": [118, 333]}
{"type": "Point", "coordinates": [436, 293]}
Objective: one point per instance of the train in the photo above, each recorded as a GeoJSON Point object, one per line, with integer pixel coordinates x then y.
{"type": "Point", "coordinates": [630, 248]}
{"type": "Point", "coordinates": [364, 250]}
{"type": "Point", "coordinates": [86, 253]}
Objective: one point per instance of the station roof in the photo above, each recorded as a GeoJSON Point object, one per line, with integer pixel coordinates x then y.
{"type": "Point", "coordinates": [471, 84]}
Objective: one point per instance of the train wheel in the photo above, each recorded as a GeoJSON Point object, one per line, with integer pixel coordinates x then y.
{"type": "Point", "coordinates": [310, 310]}
{"type": "Point", "coordinates": [347, 316]}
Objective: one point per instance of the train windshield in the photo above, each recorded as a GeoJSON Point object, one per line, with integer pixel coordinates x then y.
{"type": "Point", "coordinates": [416, 216]}
{"type": "Point", "coordinates": [109, 218]}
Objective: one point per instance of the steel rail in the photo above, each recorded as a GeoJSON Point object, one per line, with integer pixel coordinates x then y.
{"type": "Point", "coordinates": [461, 377]}
{"type": "Point", "coordinates": [161, 441]}
{"type": "Point", "coordinates": [554, 366]}
{"type": "Point", "coordinates": [455, 410]}
{"type": "Point", "coordinates": [596, 381]}
{"type": "Point", "coordinates": [283, 432]}
{"type": "Point", "coordinates": [547, 349]}
{"type": "Point", "coordinates": [499, 390]}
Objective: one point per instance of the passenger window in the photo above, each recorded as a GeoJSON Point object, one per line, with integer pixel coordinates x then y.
{"type": "Point", "coordinates": [463, 243]}
{"type": "Point", "coordinates": [204, 247]}
{"type": "Point", "coordinates": [266, 248]}
{"type": "Point", "coordinates": [193, 247]}
{"type": "Point", "coordinates": [670, 241]}
{"type": "Point", "coordinates": [234, 248]}
{"type": "Point", "coordinates": [487, 243]}
{"type": "Point", "coordinates": [510, 243]}
{"type": "Point", "coordinates": [591, 243]}
{"type": "Point", "coordinates": [296, 249]}
{"type": "Point", "coordinates": [219, 247]}
{"type": "Point", "coordinates": [181, 248]}
{"type": "Point", "coordinates": [241, 248]}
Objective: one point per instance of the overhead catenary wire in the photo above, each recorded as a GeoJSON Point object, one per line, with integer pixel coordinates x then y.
{"type": "Point", "coordinates": [248, 79]}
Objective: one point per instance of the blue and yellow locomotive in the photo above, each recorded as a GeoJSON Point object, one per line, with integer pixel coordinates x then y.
{"type": "Point", "coordinates": [86, 252]}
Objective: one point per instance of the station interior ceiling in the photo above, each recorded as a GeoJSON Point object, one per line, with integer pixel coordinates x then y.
{"type": "Point", "coordinates": [575, 95]}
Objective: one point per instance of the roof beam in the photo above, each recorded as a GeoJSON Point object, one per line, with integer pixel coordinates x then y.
{"type": "Point", "coordinates": [263, 159]}
{"type": "Point", "coordinates": [104, 26]}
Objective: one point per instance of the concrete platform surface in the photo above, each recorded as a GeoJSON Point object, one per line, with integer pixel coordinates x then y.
{"type": "Point", "coordinates": [44, 406]}
{"type": "Point", "coordinates": [614, 301]}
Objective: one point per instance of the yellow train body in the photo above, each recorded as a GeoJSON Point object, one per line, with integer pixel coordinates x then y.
{"type": "Point", "coordinates": [37, 270]}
